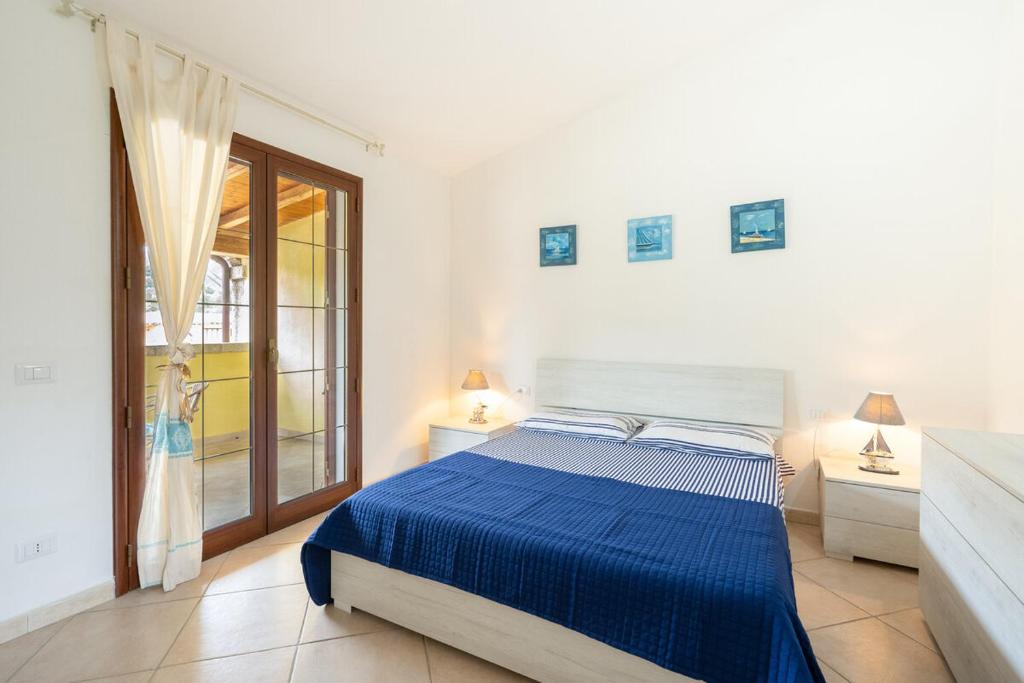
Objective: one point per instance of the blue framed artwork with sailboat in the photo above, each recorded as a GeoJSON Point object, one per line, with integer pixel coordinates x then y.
{"type": "Point", "coordinates": [649, 239]}
{"type": "Point", "coordinates": [558, 246]}
{"type": "Point", "coordinates": [758, 226]}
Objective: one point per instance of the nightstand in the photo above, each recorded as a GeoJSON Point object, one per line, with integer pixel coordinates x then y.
{"type": "Point", "coordinates": [864, 514]}
{"type": "Point", "coordinates": [458, 433]}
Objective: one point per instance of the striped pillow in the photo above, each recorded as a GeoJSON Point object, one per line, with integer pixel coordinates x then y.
{"type": "Point", "coordinates": [580, 423]}
{"type": "Point", "coordinates": [729, 440]}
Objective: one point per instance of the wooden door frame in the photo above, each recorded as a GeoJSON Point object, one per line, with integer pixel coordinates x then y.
{"type": "Point", "coordinates": [128, 406]}
{"type": "Point", "coordinates": [279, 161]}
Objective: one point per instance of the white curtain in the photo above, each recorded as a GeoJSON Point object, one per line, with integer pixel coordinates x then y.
{"type": "Point", "coordinates": [177, 125]}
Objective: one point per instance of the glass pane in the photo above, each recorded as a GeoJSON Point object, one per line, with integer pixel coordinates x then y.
{"type": "Point", "coordinates": [294, 339]}
{"type": "Point", "coordinates": [226, 495]}
{"type": "Point", "coordinates": [340, 463]}
{"type": "Point", "coordinates": [294, 209]}
{"type": "Point", "coordinates": [320, 464]}
{"type": "Point", "coordinates": [225, 420]}
{"type": "Point", "coordinates": [319, 340]}
{"type": "Point", "coordinates": [294, 274]}
{"type": "Point", "coordinates": [294, 404]}
{"type": "Point", "coordinates": [294, 467]}
{"type": "Point", "coordinates": [340, 219]}
{"type": "Point", "coordinates": [320, 276]}
{"type": "Point", "coordinates": [319, 204]}
{"type": "Point", "coordinates": [340, 299]}
{"type": "Point", "coordinates": [319, 400]}
{"type": "Point", "coordinates": [307, 283]}
{"type": "Point", "coordinates": [340, 357]}
{"type": "Point", "coordinates": [219, 334]}
{"type": "Point", "coordinates": [340, 392]}
{"type": "Point", "coordinates": [233, 230]}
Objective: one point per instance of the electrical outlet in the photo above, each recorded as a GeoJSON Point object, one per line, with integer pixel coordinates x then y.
{"type": "Point", "coordinates": [37, 547]}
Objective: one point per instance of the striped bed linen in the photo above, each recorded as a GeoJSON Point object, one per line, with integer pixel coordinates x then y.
{"type": "Point", "coordinates": [753, 479]}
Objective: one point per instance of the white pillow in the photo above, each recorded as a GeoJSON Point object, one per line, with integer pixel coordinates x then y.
{"type": "Point", "coordinates": [721, 439]}
{"type": "Point", "coordinates": [581, 423]}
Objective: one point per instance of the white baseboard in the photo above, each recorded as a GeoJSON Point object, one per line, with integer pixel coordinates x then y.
{"type": "Point", "coordinates": [802, 516]}
{"type": "Point", "coordinates": [55, 611]}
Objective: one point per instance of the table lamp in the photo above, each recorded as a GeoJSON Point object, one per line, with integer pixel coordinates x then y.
{"type": "Point", "coordinates": [475, 381]}
{"type": "Point", "coordinates": [879, 408]}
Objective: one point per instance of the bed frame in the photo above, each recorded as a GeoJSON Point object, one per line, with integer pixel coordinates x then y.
{"type": "Point", "coordinates": [529, 645]}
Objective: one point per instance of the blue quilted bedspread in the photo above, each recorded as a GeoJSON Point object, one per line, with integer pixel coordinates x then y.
{"type": "Point", "coordinates": [695, 583]}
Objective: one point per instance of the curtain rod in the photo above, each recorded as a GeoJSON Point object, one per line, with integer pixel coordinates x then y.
{"type": "Point", "coordinates": [69, 8]}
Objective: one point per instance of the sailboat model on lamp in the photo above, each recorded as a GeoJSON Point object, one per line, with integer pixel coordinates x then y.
{"type": "Point", "coordinates": [879, 408]}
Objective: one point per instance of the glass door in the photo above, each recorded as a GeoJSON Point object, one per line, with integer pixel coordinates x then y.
{"type": "Point", "coordinates": [276, 335]}
{"type": "Point", "coordinates": [308, 345]}
{"type": "Point", "coordinates": [227, 331]}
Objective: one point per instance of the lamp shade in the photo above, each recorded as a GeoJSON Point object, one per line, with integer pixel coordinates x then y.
{"type": "Point", "coordinates": [880, 408]}
{"type": "Point", "coordinates": [475, 381]}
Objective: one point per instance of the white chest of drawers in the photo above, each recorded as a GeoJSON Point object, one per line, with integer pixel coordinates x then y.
{"type": "Point", "coordinates": [972, 551]}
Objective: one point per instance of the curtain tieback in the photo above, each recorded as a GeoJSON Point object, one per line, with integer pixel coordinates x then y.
{"type": "Point", "coordinates": [188, 395]}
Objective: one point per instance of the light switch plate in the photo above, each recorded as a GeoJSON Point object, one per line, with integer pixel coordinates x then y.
{"type": "Point", "coordinates": [32, 373]}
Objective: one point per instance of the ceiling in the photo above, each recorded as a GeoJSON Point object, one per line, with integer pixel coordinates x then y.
{"type": "Point", "coordinates": [448, 83]}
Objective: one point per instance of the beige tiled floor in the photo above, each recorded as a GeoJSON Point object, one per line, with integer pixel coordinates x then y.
{"type": "Point", "coordinates": [862, 617]}
{"type": "Point", "coordinates": [248, 618]}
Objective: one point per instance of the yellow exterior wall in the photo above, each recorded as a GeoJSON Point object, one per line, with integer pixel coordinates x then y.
{"type": "Point", "coordinates": [225, 407]}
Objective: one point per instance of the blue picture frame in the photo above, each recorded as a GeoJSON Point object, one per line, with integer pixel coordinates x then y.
{"type": "Point", "coordinates": [649, 239]}
{"type": "Point", "coordinates": [758, 226]}
{"type": "Point", "coordinates": [558, 246]}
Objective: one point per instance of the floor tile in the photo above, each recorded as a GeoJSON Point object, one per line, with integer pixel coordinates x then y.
{"type": "Point", "coordinates": [263, 567]}
{"type": "Point", "coordinates": [108, 643]}
{"type": "Point", "coordinates": [16, 652]}
{"type": "Point", "coordinates": [138, 677]}
{"type": "Point", "coordinates": [875, 587]}
{"type": "Point", "coordinates": [237, 623]}
{"type": "Point", "coordinates": [189, 589]}
{"type": "Point", "coordinates": [296, 533]}
{"type": "Point", "coordinates": [804, 542]}
{"type": "Point", "coordinates": [819, 607]}
{"type": "Point", "coordinates": [328, 621]}
{"type": "Point", "coordinates": [271, 666]}
{"type": "Point", "coordinates": [385, 657]}
{"type": "Point", "coordinates": [869, 651]}
{"type": "Point", "coordinates": [911, 623]}
{"type": "Point", "coordinates": [831, 675]}
{"type": "Point", "coordinates": [448, 665]}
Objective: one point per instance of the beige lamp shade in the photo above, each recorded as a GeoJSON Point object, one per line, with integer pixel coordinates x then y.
{"type": "Point", "coordinates": [880, 408]}
{"type": "Point", "coordinates": [476, 381]}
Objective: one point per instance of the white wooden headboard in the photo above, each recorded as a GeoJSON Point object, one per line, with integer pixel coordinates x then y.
{"type": "Point", "coordinates": [748, 396]}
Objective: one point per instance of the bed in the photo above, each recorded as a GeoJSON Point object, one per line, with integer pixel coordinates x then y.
{"type": "Point", "coordinates": [573, 559]}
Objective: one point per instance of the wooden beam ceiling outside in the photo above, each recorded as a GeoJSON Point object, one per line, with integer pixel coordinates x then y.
{"type": "Point", "coordinates": [233, 228]}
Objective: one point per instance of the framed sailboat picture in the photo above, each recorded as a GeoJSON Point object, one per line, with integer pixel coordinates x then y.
{"type": "Point", "coordinates": [649, 239]}
{"type": "Point", "coordinates": [758, 226]}
{"type": "Point", "coordinates": [558, 246]}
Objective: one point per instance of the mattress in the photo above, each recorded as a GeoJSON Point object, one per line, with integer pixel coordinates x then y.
{"type": "Point", "coordinates": [679, 558]}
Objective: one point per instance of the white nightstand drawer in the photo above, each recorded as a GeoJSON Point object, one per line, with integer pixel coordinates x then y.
{"type": "Point", "coordinates": [870, 504]}
{"type": "Point", "coordinates": [845, 538]}
{"type": "Point", "coordinates": [447, 441]}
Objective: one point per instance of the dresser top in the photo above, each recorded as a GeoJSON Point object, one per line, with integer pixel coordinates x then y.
{"type": "Point", "coordinates": [843, 467]}
{"type": "Point", "coordinates": [1000, 457]}
{"type": "Point", "coordinates": [461, 423]}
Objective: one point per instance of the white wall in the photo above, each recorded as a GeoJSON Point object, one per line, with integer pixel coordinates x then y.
{"type": "Point", "coordinates": [874, 120]}
{"type": "Point", "coordinates": [1007, 368]}
{"type": "Point", "coordinates": [55, 453]}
